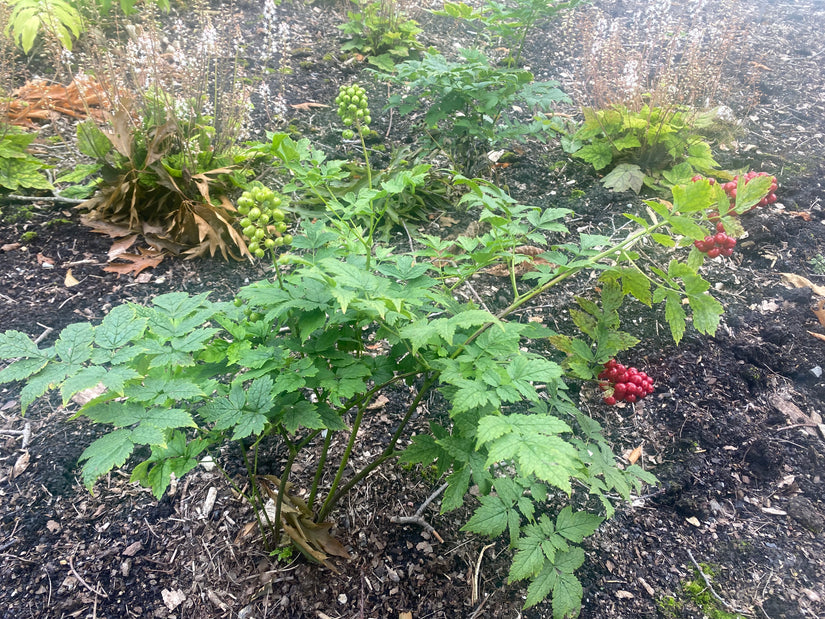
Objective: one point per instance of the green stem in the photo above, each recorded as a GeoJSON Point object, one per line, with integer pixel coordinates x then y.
{"type": "Point", "coordinates": [293, 451]}
{"type": "Point", "coordinates": [319, 471]}
{"type": "Point", "coordinates": [389, 451]}
{"type": "Point", "coordinates": [257, 503]}
{"type": "Point", "coordinates": [359, 416]}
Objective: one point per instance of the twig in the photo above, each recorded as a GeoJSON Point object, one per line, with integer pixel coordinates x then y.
{"type": "Point", "coordinates": [477, 573]}
{"type": "Point", "coordinates": [43, 335]}
{"type": "Point", "coordinates": [60, 199]}
{"type": "Point", "coordinates": [409, 236]}
{"type": "Point", "coordinates": [480, 607]}
{"type": "Point", "coordinates": [8, 544]}
{"type": "Point", "coordinates": [710, 586]}
{"type": "Point", "coordinates": [418, 519]}
{"type": "Point", "coordinates": [797, 425]}
{"type": "Point", "coordinates": [84, 583]}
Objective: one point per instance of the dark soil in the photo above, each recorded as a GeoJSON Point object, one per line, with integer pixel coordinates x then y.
{"type": "Point", "coordinates": [733, 430]}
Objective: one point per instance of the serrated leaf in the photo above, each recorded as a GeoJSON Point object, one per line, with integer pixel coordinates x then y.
{"type": "Point", "coordinates": [48, 378]}
{"type": "Point", "coordinates": [301, 414]}
{"type": "Point", "coordinates": [119, 327]}
{"type": "Point", "coordinates": [15, 344]}
{"type": "Point", "coordinates": [459, 482]}
{"type": "Point", "coordinates": [675, 315]}
{"type": "Point", "coordinates": [567, 596]}
{"type": "Point", "coordinates": [106, 453]}
{"type": "Point", "coordinates": [86, 378]}
{"type": "Point", "coordinates": [490, 518]}
{"type": "Point", "coordinates": [706, 313]}
{"type": "Point", "coordinates": [75, 343]}
{"type": "Point", "coordinates": [576, 526]}
{"type": "Point", "coordinates": [542, 585]}
{"type": "Point", "coordinates": [529, 559]}
{"type": "Point", "coordinates": [259, 395]}
{"type": "Point", "coordinates": [623, 177]}
{"type": "Point", "coordinates": [22, 369]}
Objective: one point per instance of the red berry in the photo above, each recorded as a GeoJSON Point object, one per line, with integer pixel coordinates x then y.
{"type": "Point", "coordinates": [732, 193]}
{"type": "Point", "coordinates": [727, 252]}
{"type": "Point", "coordinates": [631, 398]}
{"type": "Point", "coordinates": [730, 243]}
{"type": "Point", "coordinates": [712, 180]}
{"type": "Point", "coordinates": [698, 177]}
{"type": "Point", "coordinates": [720, 227]}
{"type": "Point", "coordinates": [714, 253]}
{"type": "Point", "coordinates": [610, 401]}
{"type": "Point", "coordinates": [720, 238]}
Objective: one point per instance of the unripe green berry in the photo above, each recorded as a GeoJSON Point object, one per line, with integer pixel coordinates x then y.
{"type": "Point", "coordinates": [259, 253]}
{"type": "Point", "coordinates": [245, 222]}
{"type": "Point", "coordinates": [254, 213]}
{"type": "Point", "coordinates": [249, 231]}
{"type": "Point", "coordinates": [287, 239]}
{"type": "Point", "coordinates": [252, 246]}
{"type": "Point", "coordinates": [348, 134]}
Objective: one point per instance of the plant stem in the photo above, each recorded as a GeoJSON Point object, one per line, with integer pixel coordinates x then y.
{"type": "Point", "coordinates": [319, 471]}
{"type": "Point", "coordinates": [389, 451]}
{"type": "Point", "coordinates": [293, 451]}
{"type": "Point", "coordinates": [359, 416]}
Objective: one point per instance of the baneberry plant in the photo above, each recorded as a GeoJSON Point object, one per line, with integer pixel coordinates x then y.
{"type": "Point", "coordinates": [302, 357]}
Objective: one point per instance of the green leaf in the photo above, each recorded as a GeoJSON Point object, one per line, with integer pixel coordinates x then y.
{"type": "Point", "coordinates": [22, 369]}
{"type": "Point", "coordinates": [119, 327]}
{"type": "Point", "coordinates": [106, 453]}
{"type": "Point", "coordinates": [567, 596]}
{"type": "Point", "coordinates": [623, 177]}
{"type": "Point", "coordinates": [48, 378]}
{"type": "Point", "coordinates": [529, 559]}
{"type": "Point", "coordinates": [301, 414]}
{"type": "Point", "coordinates": [599, 154]}
{"type": "Point", "coordinates": [86, 378]}
{"type": "Point", "coordinates": [75, 343]}
{"type": "Point", "coordinates": [458, 483]}
{"type": "Point", "coordinates": [675, 315]}
{"type": "Point", "coordinates": [542, 585]}
{"type": "Point", "coordinates": [490, 518]}
{"type": "Point", "coordinates": [576, 526]}
{"type": "Point", "coordinates": [91, 141]}
{"type": "Point", "coordinates": [15, 344]}
{"type": "Point", "coordinates": [706, 313]}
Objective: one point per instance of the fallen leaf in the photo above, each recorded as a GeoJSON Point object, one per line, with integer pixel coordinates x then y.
{"type": "Point", "coordinates": [173, 599]}
{"type": "Point", "coordinates": [635, 455]}
{"type": "Point", "coordinates": [818, 336]}
{"type": "Point", "coordinates": [694, 521]}
{"type": "Point", "coordinates": [121, 246]}
{"type": "Point", "coordinates": [650, 591]}
{"type": "Point", "coordinates": [794, 414]}
{"type": "Point", "coordinates": [45, 261]}
{"type": "Point", "coordinates": [53, 526]}
{"type": "Point", "coordinates": [103, 227]}
{"type": "Point", "coordinates": [624, 595]}
{"type": "Point", "coordinates": [70, 279]}
{"type": "Point", "coordinates": [820, 312]}
{"type": "Point", "coordinates": [9, 247]}
{"type": "Point", "coordinates": [306, 105]}
{"type": "Point", "coordinates": [20, 465]}
{"type": "Point", "coordinates": [135, 263]}
{"type": "Point", "coordinates": [774, 512]}
{"type": "Point", "coordinates": [797, 281]}
{"type": "Point", "coordinates": [804, 215]}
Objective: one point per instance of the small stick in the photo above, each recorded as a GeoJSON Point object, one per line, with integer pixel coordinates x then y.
{"type": "Point", "coordinates": [27, 435]}
{"type": "Point", "coordinates": [710, 586]}
{"type": "Point", "coordinates": [60, 199]}
{"type": "Point", "coordinates": [84, 583]}
{"type": "Point", "coordinates": [474, 598]}
{"type": "Point", "coordinates": [43, 335]}
{"type": "Point", "coordinates": [418, 519]}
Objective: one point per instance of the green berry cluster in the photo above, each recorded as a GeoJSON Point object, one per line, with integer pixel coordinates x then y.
{"type": "Point", "coordinates": [263, 222]}
{"type": "Point", "coordinates": [353, 109]}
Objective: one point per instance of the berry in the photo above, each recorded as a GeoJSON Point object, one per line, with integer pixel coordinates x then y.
{"type": "Point", "coordinates": [714, 253]}
{"type": "Point", "coordinates": [629, 384]}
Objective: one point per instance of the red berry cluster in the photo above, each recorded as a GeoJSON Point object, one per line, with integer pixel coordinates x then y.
{"type": "Point", "coordinates": [719, 244]}
{"type": "Point", "coordinates": [730, 188]}
{"type": "Point", "coordinates": [629, 384]}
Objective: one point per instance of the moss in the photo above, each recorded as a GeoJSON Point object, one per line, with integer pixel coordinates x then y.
{"type": "Point", "coordinates": [696, 593]}
{"type": "Point", "coordinates": [28, 236]}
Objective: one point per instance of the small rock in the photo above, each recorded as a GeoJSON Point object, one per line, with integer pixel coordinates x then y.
{"type": "Point", "coordinates": [342, 598]}
{"type": "Point", "coordinates": [803, 511]}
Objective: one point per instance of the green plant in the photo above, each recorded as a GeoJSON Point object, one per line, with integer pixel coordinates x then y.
{"type": "Point", "coordinates": [651, 146]}
{"type": "Point", "coordinates": [19, 169]}
{"type": "Point", "coordinates": [381, 31]}
{"type": "Point", "coordinates": [818, 264]}
{"type": "Point", "coordinates": [467, 103]}
{"type": "Point", "coordinates": [302, 358]}
{"type": "Point", "coordinates": [61, 20]}
{"type": "Point", "coordinates": [28, 236]}
{"type": "Point", "coordinates": [510, 21]}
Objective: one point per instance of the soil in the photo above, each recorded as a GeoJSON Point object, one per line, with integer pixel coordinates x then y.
{"type": "Point", "coordinates": [733, 431]}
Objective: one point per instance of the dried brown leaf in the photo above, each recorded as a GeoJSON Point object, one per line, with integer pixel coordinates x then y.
{"type": "Point", "coordinates": [306, 106]}
{"type": "Point", "coordinates": [135, 263]}
{"type": "Point", "coordinates": [121, 246]}
{"type": "Point", "coordinates": [9, 247]}
{"type": "Point", "coordinates": [797, 281]}
{"type": "Point", "coordinates": [635, 455]}
{"type": "Point", "coordinates": [20, 465]}
{"type": "Point", "coordinates": [820, 312]}
{"type": "Point", "coordinates": [70, 280]}
{"type": "Point", "coordinates": [104, 227]}
{"type": "Point", "coordinates": [818, 336]}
